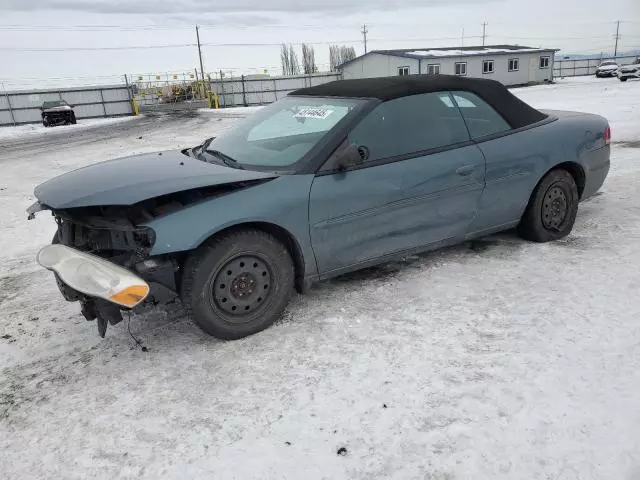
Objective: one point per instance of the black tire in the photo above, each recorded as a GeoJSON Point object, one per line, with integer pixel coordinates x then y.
{"type": "Point", "coordinates": [237, 284]}
{"type": "Point", "coordinates": [623, 79]}
{"type": "Point", "coordinates": [73, 118]}
{"type": "Point", "coordinates": [546, 221]}
{"type": "Point", "coordinates": [45, 122]}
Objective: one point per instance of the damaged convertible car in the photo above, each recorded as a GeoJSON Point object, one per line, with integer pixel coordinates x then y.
{"type": "Point", "coordinates": [329, 179]}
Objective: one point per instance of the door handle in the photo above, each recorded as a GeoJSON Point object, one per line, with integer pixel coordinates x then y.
{"type": "Point", "coordinates": [466, 170]}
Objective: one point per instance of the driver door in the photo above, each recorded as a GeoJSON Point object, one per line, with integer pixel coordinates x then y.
{"type": "Point", "coordinates": [419, 182]}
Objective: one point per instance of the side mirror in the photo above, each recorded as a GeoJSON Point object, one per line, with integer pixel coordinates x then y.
{"type": "Point", "coordinates": [351, 156]}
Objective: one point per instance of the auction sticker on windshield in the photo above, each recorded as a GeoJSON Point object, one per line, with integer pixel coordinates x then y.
{"type": "Point", "coordinates": [313, 112]}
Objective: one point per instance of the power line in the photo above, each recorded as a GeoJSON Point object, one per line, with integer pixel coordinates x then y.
{"type": "Point", "coordinates": [89, 49]}
{"type": "Point", "coordinates": [190, 45]}
{"type": "Point", "coordinates": [271, 44]}
{"type": "Point", "coordinates": [98, 27]}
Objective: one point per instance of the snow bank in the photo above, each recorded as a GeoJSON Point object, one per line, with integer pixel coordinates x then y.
{"type": "Point", "coordinates": [458, 52]}
{"type": "Point", "coordinates": [231, 111]}
{"type": "Point", "coordinates": [30, 129]}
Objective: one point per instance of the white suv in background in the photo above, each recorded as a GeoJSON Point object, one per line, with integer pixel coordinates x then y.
{"type": "Point", "coordinates": [629, 71]}
{"type": "Point", "coordinates": [607, 69]}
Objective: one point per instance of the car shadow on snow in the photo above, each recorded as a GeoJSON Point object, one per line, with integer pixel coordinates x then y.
{"type": "Point", "coordinates": [165, 327]}
{"type": "Point", "coordinates": [152, 324]}
{"type": "Point", "coordinates": [498, 245]}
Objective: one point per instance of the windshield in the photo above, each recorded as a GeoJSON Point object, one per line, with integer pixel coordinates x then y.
{"type": "Point", "coordinates": [282, 133]}
{"type": "Point", "coordinates": [54, 103]}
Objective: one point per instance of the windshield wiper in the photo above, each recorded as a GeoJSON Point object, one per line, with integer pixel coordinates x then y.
{"type": "Point", "coordinates": [228, 161]}
{"type": "Point", "coordinates": [198, 149]}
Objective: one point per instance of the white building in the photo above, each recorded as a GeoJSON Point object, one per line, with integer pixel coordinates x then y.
{"type": "Point", "coordinates": [509, 64]}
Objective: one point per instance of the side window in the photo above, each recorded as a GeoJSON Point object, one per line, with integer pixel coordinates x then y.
{"type": "Point", "coordinates": [410, 124]}
{"type": "Point", "coordinates": [481, 118]}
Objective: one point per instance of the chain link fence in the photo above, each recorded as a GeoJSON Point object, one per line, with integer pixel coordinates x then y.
{"type": "Point", "coordinates": [24, 106]}
{"type": "Point", "coordinates": [262, 89]}
{"type": "Point", "coordinates": [585, 66]}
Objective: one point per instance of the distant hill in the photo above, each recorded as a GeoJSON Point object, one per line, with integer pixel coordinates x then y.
{"type": "Point", "coordinates": [585, 56]}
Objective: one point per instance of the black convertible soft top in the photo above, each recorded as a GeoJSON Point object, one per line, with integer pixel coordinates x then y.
{"type": "Point", "coordinates": [514, 110]}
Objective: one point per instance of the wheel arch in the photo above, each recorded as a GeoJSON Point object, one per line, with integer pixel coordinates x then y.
{"type": "Point", "coordinates": [577, 172]}
{"type": "Point", "coordinates": [283, 236]}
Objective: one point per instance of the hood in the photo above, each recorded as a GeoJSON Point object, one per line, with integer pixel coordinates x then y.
{"type": "Point", "coordinates": [608, 67]}
{"type": "Point", "coordinates": [130, 180]}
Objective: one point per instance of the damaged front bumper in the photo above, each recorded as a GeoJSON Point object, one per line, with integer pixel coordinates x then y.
{"type": "Point", "coordinates": [101, 258]}
{"type": "Point", "coordinates": [103, 287]}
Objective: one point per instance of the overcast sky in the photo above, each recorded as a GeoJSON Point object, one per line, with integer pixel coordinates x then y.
{"type": "Point", "coordinates": [42, 41]}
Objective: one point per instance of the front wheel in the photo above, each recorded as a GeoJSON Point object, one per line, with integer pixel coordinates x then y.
{"type": "Point", "coordinates": [623, 79]}
{"type": "Point", "coordinates": [237, 284]}
{"type": "Point", "coordinates": [552, 208]}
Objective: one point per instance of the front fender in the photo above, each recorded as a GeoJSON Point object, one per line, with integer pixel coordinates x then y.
{"type": "Point", "coordinates": [283, 202]}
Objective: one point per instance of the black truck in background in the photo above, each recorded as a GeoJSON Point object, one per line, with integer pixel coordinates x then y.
{"type": "Point", "coordinates": [57, 112]}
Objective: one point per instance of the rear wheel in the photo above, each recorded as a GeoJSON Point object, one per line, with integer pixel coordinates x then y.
{"type": "Point", "coordinates": [73, 118]}
{"type": "Point", "coordinates": [623, 79]}
{"type": "Point", "coordinates": [238, 284]}
{"type": "Point", "coordinates": [552, 208]}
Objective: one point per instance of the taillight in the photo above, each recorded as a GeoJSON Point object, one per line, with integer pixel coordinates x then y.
{"type": "Point", "coordinates": [607, 136]}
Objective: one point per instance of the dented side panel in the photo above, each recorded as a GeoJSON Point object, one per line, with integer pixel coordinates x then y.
{"type": "Point", "coordinates": [282, 202]}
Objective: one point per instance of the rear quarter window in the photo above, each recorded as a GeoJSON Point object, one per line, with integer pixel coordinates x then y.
{"type": "Point", "coordinates": [482, 120]}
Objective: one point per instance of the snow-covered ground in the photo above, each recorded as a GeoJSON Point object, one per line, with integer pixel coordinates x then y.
{"type": "Point", "coordinates": [27, 130]}
{"type": "Point", "coordinates": [239, 112]}
{"type": "Point", "coordinates": [500, 359]}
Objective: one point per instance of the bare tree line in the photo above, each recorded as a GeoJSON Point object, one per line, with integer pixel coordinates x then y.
{"type": "Point", "coordinates": [289, 60]}
{"type": "Point", "coordinates": [338, 54]}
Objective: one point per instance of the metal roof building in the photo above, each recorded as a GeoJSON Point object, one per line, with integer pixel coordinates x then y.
{"type": "Point", "coordinates": [509, 64]}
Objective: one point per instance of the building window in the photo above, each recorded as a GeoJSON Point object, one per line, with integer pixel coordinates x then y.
{"type": "Point", "coordinates": [487, 66]}
{"type": "Point", "coordinates": [461, 68]}
{"type": "Point", "coordinates": [402, 71]}
{"type": "Point", "coordinates": [433, 69]}
{"type": "Point", "coordinates": [544, 62]}
{"type": "Point", "coordinates": [514, 64]}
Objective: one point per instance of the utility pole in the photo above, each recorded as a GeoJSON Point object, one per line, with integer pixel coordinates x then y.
{"type": "Point", "coordinates": [484, 28]}
{"type": "Point", "coordinates": [615, 52]}
{"type": "Point", "coordinates": [462, 38]}
{"type": "Point", "coordinates": [364, 32]}
{"type": "Point", "coordinates": [200, 54]}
